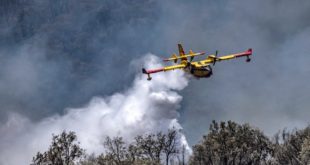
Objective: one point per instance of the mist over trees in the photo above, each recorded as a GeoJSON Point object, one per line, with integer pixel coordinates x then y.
{"type": "Point", "coordinates": [227, 143]}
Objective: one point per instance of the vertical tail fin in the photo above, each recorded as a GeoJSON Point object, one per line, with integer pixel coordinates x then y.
{"type": "Point", "coordinates": [181, 52]}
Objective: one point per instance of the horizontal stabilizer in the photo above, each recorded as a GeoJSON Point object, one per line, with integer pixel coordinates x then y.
{"type": "Point", "coordinates": [191, 52]}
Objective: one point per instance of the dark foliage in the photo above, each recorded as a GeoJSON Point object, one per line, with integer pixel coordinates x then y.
{"type": "Point", "coordinates": [292, 147]}
{"type": "Point", "coordinates": [227, 143]}
{"type": "Point", "coordinates": [64, 150]}
{"type": "Point", "coordinates": [231, 143]}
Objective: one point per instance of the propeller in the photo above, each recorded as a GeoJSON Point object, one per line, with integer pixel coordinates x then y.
{"type": "Point", "coordinates": [189, 66]}
{"type": "Point", "coordinates": [191, 53]}
{"type": "Point", "coordinates": [214, 59]}
{"type": "Point", "coordinates": [191, 59]}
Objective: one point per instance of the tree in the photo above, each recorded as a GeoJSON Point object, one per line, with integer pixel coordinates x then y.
{"type": "Point", "coordinates": [89, 160]}
{"type": "Point", "coordinates": [120, 153]}
{"type": "Point", "coordinates": [64, 150]}
{"type": "Point", "coordinates": [292, 147]}
{"type": "Point", "coordinates": [150, 146]}
{"type": "Point", "coordinates": [305, 151]}
{"type": "Point", "coordinates": [156, 146]}
{"type": "Point", "coordinates": [170, 144]}
{"type": "Point", "coordinates": [231, 143]}
{"type": "Point", "coordinates": [116, 150]}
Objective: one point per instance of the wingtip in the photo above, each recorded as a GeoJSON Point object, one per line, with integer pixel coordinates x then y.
{"type": "Point", "coordinates": [144, 71]}
{"type": "Point", "coordinates": [250, 50]}
{"type": "Point", "coordinates": [165, 59]}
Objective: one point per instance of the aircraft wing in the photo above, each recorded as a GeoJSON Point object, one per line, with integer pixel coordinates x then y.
{"type": "Point", "coordinates": [237, 55]}
{"type": "Point", "coordinates": [163, 69]}
{"type": "Point", "coordinates": [213, 58]}
{"type": "Point", "coordinates": [180, 66]}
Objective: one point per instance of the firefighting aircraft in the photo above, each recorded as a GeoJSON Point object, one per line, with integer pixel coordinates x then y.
{"type": "Point", "coordinates": [199, 69]}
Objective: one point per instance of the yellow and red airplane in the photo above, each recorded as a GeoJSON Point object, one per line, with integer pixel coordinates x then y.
{"type": "Point", "coordinates": [199, 69]}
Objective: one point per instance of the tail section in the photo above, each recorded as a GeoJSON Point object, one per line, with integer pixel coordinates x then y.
{"type": "Point", "coordinates": [181, 50]}
{"type": "Point", "coordinates": [175, 57]}
{"type": "Point", "coordinates": [191, 52]}
{"type": "Point", "coordinates": [182, 56]}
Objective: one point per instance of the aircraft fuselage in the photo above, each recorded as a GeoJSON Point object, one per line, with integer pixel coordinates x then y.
{"type": "Point", "coordinates": [200, 72]}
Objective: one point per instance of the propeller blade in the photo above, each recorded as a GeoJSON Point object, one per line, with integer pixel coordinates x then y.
{"type": "Point", "coordinates": [214, 60]}
{"type": "Point", "coordinates": [192, 57]}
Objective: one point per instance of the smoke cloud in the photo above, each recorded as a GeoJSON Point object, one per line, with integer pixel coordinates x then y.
{"type": "Point", "coordinates": [68, 49]}
{"type": "Point", "coordinates": [60, 53]}
{"type": "Point", "coordinates": [145, 107]}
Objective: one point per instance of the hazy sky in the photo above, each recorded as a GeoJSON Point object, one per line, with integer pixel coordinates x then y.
{"type": "Point", "coordinates": [56, 54]}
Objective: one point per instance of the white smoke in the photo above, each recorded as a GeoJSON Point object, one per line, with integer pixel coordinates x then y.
{"type": "Point", "coordinates": [147, 106]}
